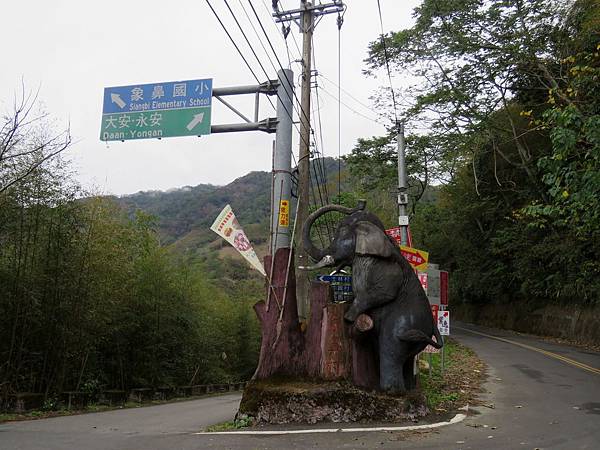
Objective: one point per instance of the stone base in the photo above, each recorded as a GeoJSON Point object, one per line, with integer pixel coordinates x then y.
{"type": "Point", "coordinates": [281, 402]}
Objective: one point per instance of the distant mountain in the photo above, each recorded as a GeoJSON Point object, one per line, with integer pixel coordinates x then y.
{"type": "Point", "coordinates": [182, 210]}
{"type": "Point", "coordinates": [185, 214]}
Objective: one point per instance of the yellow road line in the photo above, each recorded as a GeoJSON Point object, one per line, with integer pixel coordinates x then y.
{"type": "Point", "coordinates": [539, 350]}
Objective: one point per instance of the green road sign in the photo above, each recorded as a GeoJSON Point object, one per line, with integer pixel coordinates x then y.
{"type": "Point", "coordinates": [157, 110]}
{"type": "Point", "coordinates": [155, 124]}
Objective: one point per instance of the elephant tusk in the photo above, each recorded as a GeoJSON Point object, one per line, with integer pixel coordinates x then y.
{"type": "Point", "coordinates": [326, 261]}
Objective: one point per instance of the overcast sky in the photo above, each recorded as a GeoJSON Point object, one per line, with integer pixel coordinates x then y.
{"type": "Point", "coordinates": [72, 49]}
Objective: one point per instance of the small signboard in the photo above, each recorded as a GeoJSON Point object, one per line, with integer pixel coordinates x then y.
{"type": "Point", "coordinates": [395, 234]}
{"type": "Point", "coordinates": [435, 284]}
{"type": "Point", "coordinates": [433, 293]}
{"type": "Point", "coordinates": [156, 110]}
{"type": "Point", "coordinates": [418, 259]}
{"type": "Point", "coordinates": [335, 278]}
{"type": "Point", "coordinates": [284, 213]}
{"type": "Point", "coordinates": [341, 285]}
{"type": "Point", "coordinates": [444, 323]}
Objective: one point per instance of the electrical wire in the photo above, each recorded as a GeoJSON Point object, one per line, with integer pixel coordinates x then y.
{"type": "Point", "coordinates": [256, 34]}
{"type": "Point", "coordinates": [320, 162]}
{"type": "Point", "coordinates": [358, 113]}
{"type": "Point", "coordinates": [320, 74]}
{"type": "Point", "coordinates": [247, 41]}
{"type": "Point", "coordinates": [233, 42]}
{"type": "Point", "coordinates": [387, 63]}
{"type": "Point", "coordinates": [301, 110]}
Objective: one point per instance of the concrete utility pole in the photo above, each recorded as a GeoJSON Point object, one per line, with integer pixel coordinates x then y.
{"type": "Point", "coordinates": [402, 186]}
{"type": "Point", "coordinates": [282, 162]}
{"type": "Point", "coordinates": [305, 18]}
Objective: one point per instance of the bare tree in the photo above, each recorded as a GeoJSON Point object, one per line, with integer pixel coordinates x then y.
{"type": "Point", "coordinates": [27, 140]}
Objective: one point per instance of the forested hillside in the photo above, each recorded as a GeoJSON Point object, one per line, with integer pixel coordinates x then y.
{"type": "Point", "coordinates": [505, 120]}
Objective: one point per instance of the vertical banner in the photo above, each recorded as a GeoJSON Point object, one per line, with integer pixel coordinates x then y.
{"type": "Point", "coordinates": [227, 226]}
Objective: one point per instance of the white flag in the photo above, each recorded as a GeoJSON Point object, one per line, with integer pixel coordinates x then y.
{"type": "Point", "coordinates": [227, 226]}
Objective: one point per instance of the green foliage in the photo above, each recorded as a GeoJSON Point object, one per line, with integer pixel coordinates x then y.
{"type": "Point", "coordinates": [91, 300]}
{"type": "Point", "coordinates": [509, 92]}
{"type": "Point", "coordinates": [434, 383]}
{"type": "Point", "coordinates": [572, 169]}
{"type": "Point", "coordinates": [231, 425]}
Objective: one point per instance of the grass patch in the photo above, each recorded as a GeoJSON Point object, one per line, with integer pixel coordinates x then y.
{"type": "Point", "coordinates": [459, 382]}
{"type": "Point", "coordinates": [232, 425]}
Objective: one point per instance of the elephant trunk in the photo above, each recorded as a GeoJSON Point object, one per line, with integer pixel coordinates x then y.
{"type": "Point", "coordinates": [316, 253]}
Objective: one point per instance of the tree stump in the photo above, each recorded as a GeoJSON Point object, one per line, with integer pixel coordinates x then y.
{"type": "Point", "coordinates": [328, 349]}
{"type": "Point", "coordinates": [328, 371]}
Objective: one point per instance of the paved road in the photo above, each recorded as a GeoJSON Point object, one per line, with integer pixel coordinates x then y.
{"type": "Point", "coordinates": [139, 428]}
{"type": "Point", "coordinates": [543, 395]}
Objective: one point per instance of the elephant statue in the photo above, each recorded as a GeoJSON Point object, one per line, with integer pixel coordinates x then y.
{"type": "Point", "coordinates": [385, 287]}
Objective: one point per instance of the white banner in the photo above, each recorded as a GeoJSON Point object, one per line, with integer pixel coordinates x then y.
{"type": "Point", "coordinates": [227, 226]}
{"type": "Point", "coordinates": [444, 323]}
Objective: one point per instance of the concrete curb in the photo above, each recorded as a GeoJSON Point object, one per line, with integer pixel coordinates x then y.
{"type": "Point", "coordinates": [456, 419]}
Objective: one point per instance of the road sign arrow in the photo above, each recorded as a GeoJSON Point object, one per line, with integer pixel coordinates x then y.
{"type": "Point", "coordinates": [195, 121]}
{"type": "Point", "coordinates": [116, 98]}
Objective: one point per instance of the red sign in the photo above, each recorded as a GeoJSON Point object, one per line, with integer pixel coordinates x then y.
{"type": "Point", "coordinates": [444, 288]}
{"type": "Point", "coordinates": [434, 312]}
{"type": "Point", "coordinates": [395, 234]}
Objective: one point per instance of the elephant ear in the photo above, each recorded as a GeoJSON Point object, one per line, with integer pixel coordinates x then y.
{"type": "Point", "coordinates": [371, 240]}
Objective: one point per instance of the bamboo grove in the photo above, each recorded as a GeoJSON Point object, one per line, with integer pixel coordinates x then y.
{"type": "Point", "coordinates": [90, 300]}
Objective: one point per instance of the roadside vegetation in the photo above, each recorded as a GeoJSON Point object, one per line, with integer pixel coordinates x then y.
{"type": "Point", "coordinates": [458, 384]}
{"type": "Point", "coordinates": [503, 120]}
{"type": "Point", "coordinates": [89, 299]}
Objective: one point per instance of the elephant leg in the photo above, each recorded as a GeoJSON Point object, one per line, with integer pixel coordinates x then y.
{"type": "Point", "coordinates": [408, 371]}
{"type": "Point", "coordinates": [392, 358]}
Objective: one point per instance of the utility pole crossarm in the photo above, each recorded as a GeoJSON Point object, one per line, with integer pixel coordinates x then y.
{"type": "Point", "coordinates": [316, 11]}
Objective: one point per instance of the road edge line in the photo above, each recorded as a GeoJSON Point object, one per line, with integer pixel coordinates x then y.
{"type": "Point", "coordinates": [456, 419]}
{"type": "Point", "coordinates": [548, 353]}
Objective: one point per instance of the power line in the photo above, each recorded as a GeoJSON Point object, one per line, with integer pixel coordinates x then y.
{"type": "Point", "coordinates": [333, 96]}
{"type": "Point", "coordinates": [257, 36]}
{"type": "Point", "coordinates": [320, 74]}
{"type": "Point", "coordinates": [262, 66]}
{"type": "Point", "coordinates": [282, 33]}
{"type": "Point", "coordinates": [276, 57]}
{"type": "Point", "coordinates": [387, 64]}
{"type": "Point", "coordinates": [233, 42]}
{"type": "Point", "coordinates": [247, 41]}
